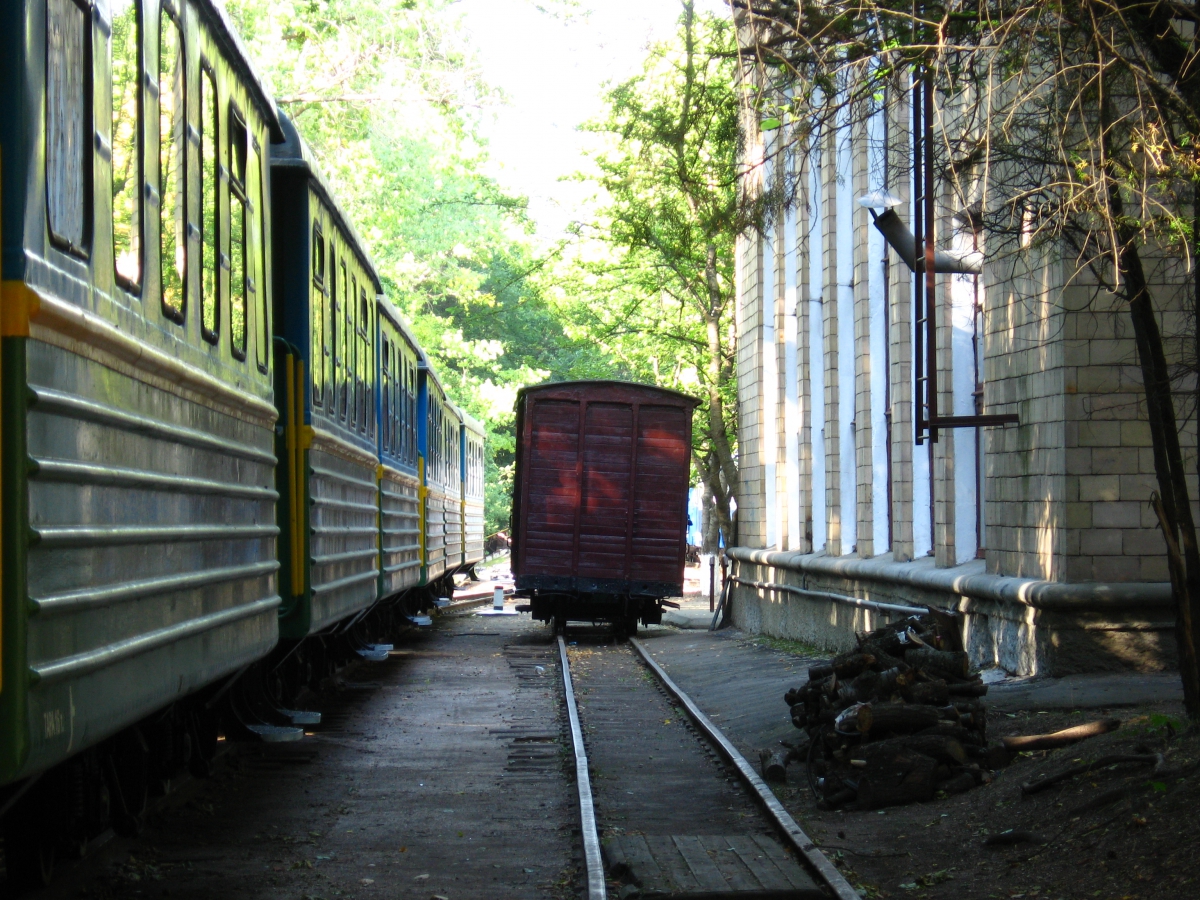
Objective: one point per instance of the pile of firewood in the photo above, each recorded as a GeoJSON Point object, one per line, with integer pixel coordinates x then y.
{"type": "Point", "coordinates": [897, 719]}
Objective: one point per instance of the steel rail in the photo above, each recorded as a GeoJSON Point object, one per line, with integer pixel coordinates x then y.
{"type": "Point", "coordinates": [597, 889]}
{"type": "Point", "coordinates": [782, 819]}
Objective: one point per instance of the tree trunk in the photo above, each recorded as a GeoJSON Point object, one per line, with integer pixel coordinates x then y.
{"type": "Point", "coordinates": [1173, 504]}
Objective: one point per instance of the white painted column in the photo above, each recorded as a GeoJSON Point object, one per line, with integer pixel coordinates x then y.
{"type": "Point", "coordinates": [816, 343]}
{"type": "Point", "coordinates": [848, 468]}
{"type": "Point", "coordinates": [962, 324]}
{"type": "Point", "coordinates": [877, 253]}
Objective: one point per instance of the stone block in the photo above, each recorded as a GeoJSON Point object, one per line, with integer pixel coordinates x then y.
{"type": "Point", "coordinates": [1100, 542]}
{"type": "Point", "coordinates": [1078, 568]}
{"type": "Point", "coordinates": [1116, 568]}
{"type": "Point", "coordinates": [1097, 380]}
{"type": "Point", "coordinates": [1079, 515]}
{"type": "Point", "coordinates": [1102, 434]}
{"type": "Point", "coordinates": [1100, 487]}
{"type": "Point", "coordinates": [1119, 514]}
{"type": "Point", "coordinates": [1113, 461]}
{"type": "Point", "coordinates": [1134, 434]}
{"type": "Point", "coordinates": [1143, 542]}
{"type": "Point", "coordinates": [1138, 487]}
{"type": "Point", "coordinates": [1154, 568]}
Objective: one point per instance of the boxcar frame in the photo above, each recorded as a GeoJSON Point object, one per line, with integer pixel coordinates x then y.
{"type": "Point", "coordinates": [600, 500]}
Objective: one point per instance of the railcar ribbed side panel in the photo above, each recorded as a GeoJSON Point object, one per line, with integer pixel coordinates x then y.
{"type": "Point", "coordinates": [152, 564]}
{"type": "Point", "coordinates": [399, 532]}
{"type": "Point", "coordinates": [435, 534]}
{"type": "Point", "coordinates": [453, 519]}
{"type": "Point", "coordinates": [343, 535]}
{"type": "Point", "coordinates": [473, 526]}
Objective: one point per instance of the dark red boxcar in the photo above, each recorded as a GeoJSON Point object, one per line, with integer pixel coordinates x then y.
{"type": "Point", "coordinates": [600, 499]}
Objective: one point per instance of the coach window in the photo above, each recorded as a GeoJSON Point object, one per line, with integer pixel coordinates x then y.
{"type": "Point", "coordinates": [364, 364]}
{"type": "Point", "coordinates": [385, 437]}
{"type": "Point", "coordinates": [172, 164]}
{"type": "Point", "coordinates": [412, 412]}
{"type": "Point", "coordinates": [317, 311]}
{"type": "Point", "coordinates": [238, 273]}
{"type": "Point", "coordinates": [256, 268]}
{"type": "Point", "coordinates": [68, 123]}
{"type": "Point", "coordinates": [210, 254]}
{"type": "Point", "coordinates": [127, 178]}
{"type": "Point", "coordinates": [343, 359]}
{"type": "Point", "coordinates": [330, 330]}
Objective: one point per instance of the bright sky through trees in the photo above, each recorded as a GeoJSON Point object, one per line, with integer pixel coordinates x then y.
{"type": "Point", "coordinates": [552, 60]}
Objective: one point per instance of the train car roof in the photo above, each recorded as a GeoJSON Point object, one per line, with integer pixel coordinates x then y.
{"type": "Point", "coordinates": [425, 366]}
{"type": "Point", "coordinates": [291, 152]}
{"type": "Point", "coordinates": [601, 382]}
{"type": "Point", "coordinates": [470, 421]}
{"type": "Point", "coordinates": [389, 311]}
{"type": "Point", "coordinates": [231, 42]}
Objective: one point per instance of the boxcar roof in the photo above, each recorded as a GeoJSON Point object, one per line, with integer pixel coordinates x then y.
{"type": "Point", "coordinates": [239, 58]}
{"type": "Point", "coordinates": [293, 153]}
{"type": "Point", "coordinates": [596, 386]}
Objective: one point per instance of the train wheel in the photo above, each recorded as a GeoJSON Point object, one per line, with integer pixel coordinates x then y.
{"type": "Point", "coordinates": [560, 624]}
{"type": "Point", "coordinates": [128, 764]}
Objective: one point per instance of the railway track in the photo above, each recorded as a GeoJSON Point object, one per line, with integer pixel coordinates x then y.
{"type": "Point", "coordinates": [668, 806]}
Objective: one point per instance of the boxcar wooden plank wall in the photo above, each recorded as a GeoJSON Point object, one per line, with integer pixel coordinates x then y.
{"type": "Point", "coordinates": [602, 479]}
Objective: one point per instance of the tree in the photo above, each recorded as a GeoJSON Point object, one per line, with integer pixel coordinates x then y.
{"type": "Point", "coordinates": [1069, 125]}
{"type": "Point", "coordinates": [655, 286]}
{"type": "Point", "coordinates": [386, 94]}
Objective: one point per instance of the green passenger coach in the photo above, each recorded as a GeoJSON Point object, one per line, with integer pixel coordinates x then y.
{"type": "Point", "coordinates": [137, 463]}
{"type": "Point", "coordinates": [215, 481]}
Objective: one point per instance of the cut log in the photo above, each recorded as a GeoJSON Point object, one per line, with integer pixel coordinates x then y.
{"type": "Point", "coordinates": [845, 665]}
{"type": "Point", "coordinates": [906, 778]}
{"type": "Point", "coordinates": [774, 763]}
{"type": "Point", "coordinates": [952, 662]}
{"type": "Point", "coordinates": [800, 715]}
{"type": "Point", "coordinates": [939, 747]}
{"type": "Point", "coordinates": [949, 627]}
{"type": "Point", "coordinates": [1062, 738]}
{"type": "Point", "coordinates": [1033, 787]}
{"type": "Point", "coordinates": [894, 718]}
{"type": "Point", "coordinates": [929, 693]}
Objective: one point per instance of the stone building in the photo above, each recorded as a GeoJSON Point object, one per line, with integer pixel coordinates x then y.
{"type": "Point", "coordinates": [1040, 532]}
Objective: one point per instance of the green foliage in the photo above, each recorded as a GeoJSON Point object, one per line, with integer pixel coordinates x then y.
{"type": "Point", "coordinates": [385, 94]}
{"type": "Point", "coordinates": [651, 280]}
